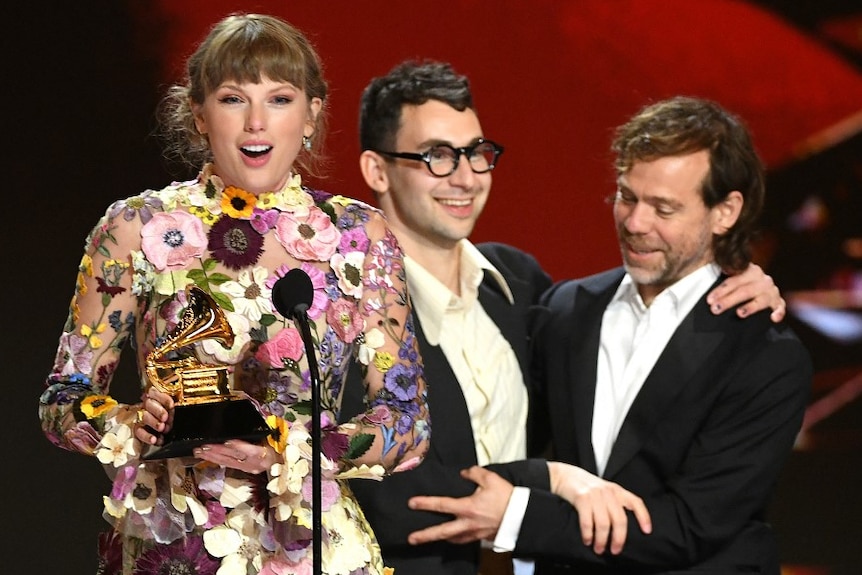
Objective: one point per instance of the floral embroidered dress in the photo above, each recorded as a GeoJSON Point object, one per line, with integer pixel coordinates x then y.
{"type": "Point", "coordinates": [131, 284]}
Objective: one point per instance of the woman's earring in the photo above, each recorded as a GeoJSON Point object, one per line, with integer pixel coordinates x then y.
{"type": "Point", "coordinates": [306, 143]}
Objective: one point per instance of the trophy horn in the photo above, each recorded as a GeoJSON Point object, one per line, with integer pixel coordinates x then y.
{"type": "Point", "coordinates": [202, 319]}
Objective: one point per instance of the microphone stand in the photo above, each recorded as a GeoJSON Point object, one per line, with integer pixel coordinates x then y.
{"type": "Point", "coordinates": [300, 315]}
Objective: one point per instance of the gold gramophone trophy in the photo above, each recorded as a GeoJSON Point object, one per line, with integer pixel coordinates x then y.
{"type": "Point", "coordinates": [205, 409]}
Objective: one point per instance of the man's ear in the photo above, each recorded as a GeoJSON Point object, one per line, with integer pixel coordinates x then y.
{"type": "Point", "coordinates": [373, 168]}
{"type": "Point", "coordinates": [726, 212]}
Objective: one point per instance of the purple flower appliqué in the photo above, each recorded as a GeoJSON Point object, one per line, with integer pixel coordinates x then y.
{"type": "Point", "coordinates": [185, 555]}
{"type": "Point", "coordinates": [235, 243]}
{"type": "Point", "coordinates": [400, 381]}
{"type": "Point", "coordinates": [142, 206]}
{"type": "Point", "coordinates": [110, 553]}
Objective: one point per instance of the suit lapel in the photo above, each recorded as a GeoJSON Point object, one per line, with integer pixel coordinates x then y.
{"type": "Point", "coordinates": [583, 349]}
{"type": "Point", "coordinates": [697, 337]}
{"type": "Point", "coordinates": [510, 320]}
{"type": "Point", "coordinates": [450, 420]}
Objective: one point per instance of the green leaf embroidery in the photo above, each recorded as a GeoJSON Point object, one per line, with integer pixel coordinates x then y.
{"type": "Point", "coordinates": [329, 211]}
{"type": "Point", "coordinates": [198, 276]}
{"type": "Point", "coordinates": [302, 407]}
{"type": "Point", "coordinates": [218, 279]}
{"type": "Point", "coordinates": [223, 301]}
{"type": "Point", "coordinates": [359, 444]}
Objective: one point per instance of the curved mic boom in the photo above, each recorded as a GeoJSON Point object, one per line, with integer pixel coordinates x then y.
{"type": "Point", "coordinates": [292, 295]}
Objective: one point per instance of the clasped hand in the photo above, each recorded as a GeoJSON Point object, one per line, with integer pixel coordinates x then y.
{"type": "Point", "coordinates": [156, 415]}
{"type": "Point", "coordinates": [601, 507]}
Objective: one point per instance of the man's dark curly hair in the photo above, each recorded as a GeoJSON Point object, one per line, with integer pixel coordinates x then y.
{"type": "Point", "coordinates": [409, 83]}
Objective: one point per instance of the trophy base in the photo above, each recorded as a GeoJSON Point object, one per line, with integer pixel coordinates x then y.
{"type": "Point", "coordinates": [210, 422]}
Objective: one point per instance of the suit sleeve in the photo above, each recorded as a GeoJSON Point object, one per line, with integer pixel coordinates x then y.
{"type": "Point", "coordinates": [527, 473]}
{"type": "Point", "coordinates": [385, 502]}
{"type": "Point", "coordinates": [538, 422]}
{"type": "Point", "coordinates": [722, 482]}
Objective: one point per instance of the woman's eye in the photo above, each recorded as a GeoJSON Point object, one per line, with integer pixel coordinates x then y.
{"type": "Point", "coordinates": [282, 100]}
{"type": "Point", "coordinates": [230, 99]}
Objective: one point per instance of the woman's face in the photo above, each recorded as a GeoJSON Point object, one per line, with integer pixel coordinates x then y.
{"type": "Point", "coordinates": [255, 131]}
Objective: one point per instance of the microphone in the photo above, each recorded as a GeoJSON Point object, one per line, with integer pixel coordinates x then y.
{"type": "Point", "coordinates": [293, 293]}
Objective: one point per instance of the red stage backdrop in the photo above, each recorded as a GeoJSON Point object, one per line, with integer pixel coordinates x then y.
{"type": "Point", "coordinates": [551, 79]}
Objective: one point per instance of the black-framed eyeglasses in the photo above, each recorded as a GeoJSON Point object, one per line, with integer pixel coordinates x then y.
{"type": "Point", "coordinates": [442, 159]}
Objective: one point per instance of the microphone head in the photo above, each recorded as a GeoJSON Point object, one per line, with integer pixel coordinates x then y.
{"type": "Point", "coordinates": [292, 293]}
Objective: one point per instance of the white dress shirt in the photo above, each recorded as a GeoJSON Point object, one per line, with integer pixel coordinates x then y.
{"type": "Point", "coordinates": [633, 337]}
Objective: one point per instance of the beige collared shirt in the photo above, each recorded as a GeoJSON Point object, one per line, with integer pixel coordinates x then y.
{"type": "Point", "coordinates": [481, 358]}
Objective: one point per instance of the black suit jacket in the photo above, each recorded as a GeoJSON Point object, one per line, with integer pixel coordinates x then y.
{"type": "Point", "coordinates": [702, 444]}
{"type": "Point", "coordinates": [452, 444]}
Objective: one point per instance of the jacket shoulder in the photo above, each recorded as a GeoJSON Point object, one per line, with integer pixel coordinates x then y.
{"type": "Point", "coordinates": [517, 267]}
{"type": "Point", "coordinates": [564, 291]}
{"type": "Point", "coordinates": [509, 259]}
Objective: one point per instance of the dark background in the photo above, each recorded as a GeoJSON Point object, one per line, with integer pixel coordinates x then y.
{"type": "Point", "coordinates": [550, 78]}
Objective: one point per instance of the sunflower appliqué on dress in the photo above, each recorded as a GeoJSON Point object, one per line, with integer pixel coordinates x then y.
{"type": "Point", "coordinates": [184, 515]}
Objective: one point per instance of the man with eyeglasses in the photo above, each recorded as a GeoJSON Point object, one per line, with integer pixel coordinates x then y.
{"type": "Point", "coordinates": [427, 161]}
{"type": "Point", "coordinates": [429, 165]}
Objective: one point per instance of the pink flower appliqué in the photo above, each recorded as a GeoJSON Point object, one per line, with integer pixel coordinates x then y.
{"type": "Point", "coordinates": [263, 220]}
{"type": "Point", "coordinates": [354, 240]}
{"type": "Point", "coordinates": [286, 344]}
{"type": "Point", "coordinates": [308, 237]}
{"type": "Point", "coordinates": [170, 240]}
{"type": "Point", "coordinates": [282, 567]}
{"type": "Point", "coordinates": [73, 355]}
{"type": "Point", "coordinates": [329, 492]}
{"type": "Point", "coordinates": [345, 319]}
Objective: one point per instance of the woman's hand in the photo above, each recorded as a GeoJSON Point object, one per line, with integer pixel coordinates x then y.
{"type": "Point", "coordinates": [154, 417]}
{"type": "Point", "coordinates": [238, 454]}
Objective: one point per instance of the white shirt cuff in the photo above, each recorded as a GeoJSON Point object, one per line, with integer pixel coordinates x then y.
{"type": "Point", "coordinates": [510, 527]}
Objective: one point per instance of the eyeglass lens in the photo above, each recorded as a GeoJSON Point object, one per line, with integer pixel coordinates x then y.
{"type": "Point", "coordinates": [443, 159]}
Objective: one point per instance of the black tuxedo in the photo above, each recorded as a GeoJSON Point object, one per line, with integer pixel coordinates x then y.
{"type": "Point", "coordinates": [702, 444]}
{"type": "Point", "coordinates": [452, 443]}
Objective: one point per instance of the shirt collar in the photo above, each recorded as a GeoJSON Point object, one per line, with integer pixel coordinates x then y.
{"type": "Point", "coordinates": [431, 299]}
{"type": "Point", "coordinates": [683, 294]}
